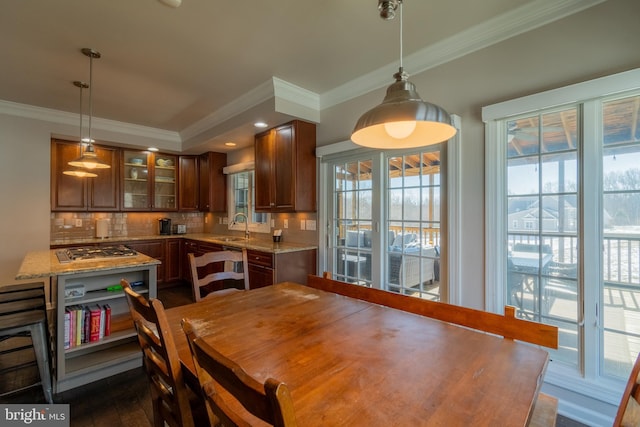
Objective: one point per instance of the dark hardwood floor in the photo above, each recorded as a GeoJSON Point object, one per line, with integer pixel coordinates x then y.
{"type": "Point", "coordinates": [120, 400]}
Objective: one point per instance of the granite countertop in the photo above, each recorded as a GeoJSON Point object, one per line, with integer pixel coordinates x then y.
{"type": "Point", "coordinates": [38, 264]}
{"type": "Point", "coordinates": [230, 241]}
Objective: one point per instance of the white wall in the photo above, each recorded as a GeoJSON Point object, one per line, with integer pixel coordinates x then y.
{"type": "Point", "coordinates": [24, 191]}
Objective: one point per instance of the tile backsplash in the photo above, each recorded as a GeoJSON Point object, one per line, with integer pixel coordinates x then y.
{"type": "Point", "coordinates": [82, 225]}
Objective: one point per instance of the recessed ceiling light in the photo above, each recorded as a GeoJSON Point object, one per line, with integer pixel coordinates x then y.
{"type": "Point", "coordinates": [171, 3]}
{"type": "Point", "coordinates": [154, 149]}
{"type": "Point", "coordinates": [230, 144]}
{"type": "Point", "coordinates": [260, 124]}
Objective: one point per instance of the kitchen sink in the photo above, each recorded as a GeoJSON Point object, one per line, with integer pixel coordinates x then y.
{"type": "Point", "coordinates": [230, 239]}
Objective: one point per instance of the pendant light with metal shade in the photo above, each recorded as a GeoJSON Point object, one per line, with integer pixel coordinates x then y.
{"type": "Point", "coordinates": [88, 158]}
{"type": "Point", "coordinates": [403, 119]}
{"type": "Point", "coordinates": [80, 173]}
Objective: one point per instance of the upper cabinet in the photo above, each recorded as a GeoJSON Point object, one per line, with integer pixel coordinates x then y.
{"type": "Point", "coordinates": [70, 193]}
{"type": "Point", "coordinates": [149, 181]}
{"type": "Point", "coordinates": [138, 181]}
{"type": "Point", "coordinates": [285, 168]}
{"type": "Point", "coordinates": [188, 194]}
{"type": "Point", "coordinates": [212, 182]}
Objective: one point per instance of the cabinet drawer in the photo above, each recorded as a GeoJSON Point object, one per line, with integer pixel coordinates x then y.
{"type": "Point", "coordinates": [260, 258]}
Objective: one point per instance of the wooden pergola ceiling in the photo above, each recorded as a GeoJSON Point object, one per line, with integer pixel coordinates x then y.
{"type": "Point", "coordinates": [559, 130]}
{"type": "Point", "coordinates": [412, 165]}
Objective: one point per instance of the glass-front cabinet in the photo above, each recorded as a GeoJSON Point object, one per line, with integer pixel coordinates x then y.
{"type": "Point", "coordinates": [149, 181]}
{"type": "Point", "coordinates": [165, 182]}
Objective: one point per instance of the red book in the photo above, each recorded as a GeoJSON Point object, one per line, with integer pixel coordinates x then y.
{"type": "Point", "coordinates": [94, 319]}
{"type": "Point", "coordinates": [107, 320]}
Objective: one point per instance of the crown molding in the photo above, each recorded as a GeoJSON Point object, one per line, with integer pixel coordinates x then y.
{"type": "Point", "coordinates": [509, 24]}
{"type": "Point", "coordinates": [65, 118]}
{"type": "Point", "coordinates": [290, 92]}
{"type": "Point", "coordinates": [287, 99]}
{"type": "Point", "coordinates": [256, 96]}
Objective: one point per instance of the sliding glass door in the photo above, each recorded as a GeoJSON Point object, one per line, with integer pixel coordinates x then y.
{"type": "Point", "coordinates": [384, 216]}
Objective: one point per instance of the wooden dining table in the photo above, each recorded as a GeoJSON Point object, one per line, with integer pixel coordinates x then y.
{"type": "Point", "coordinates": [348, 362]}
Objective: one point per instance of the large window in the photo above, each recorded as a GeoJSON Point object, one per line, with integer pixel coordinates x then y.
{"type": "Point", "coordinates": [241, 204]}
{"type": "Point", "coordinates": [541, 205]}
{"type": "Point", "coordinates": [563, 221]}
{"type": "Point", "coordinates": [385, 214]}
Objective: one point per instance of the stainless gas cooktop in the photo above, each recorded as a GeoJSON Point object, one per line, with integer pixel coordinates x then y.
{"type": "Point", "coordinates": [93, 253]}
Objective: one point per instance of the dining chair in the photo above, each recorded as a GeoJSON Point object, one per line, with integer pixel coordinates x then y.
{"type": "Point", "coordinates": [203, 265]}
{"type": "Point", "coordinates": [270, 402]}
{"type": "Point", "coordinates": [173, 402]}
{"type": "Point", "coordinates": [629, 410]}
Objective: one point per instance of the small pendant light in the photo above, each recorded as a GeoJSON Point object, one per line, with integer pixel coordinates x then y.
{"type": "Point", "coordinates": [81, 173]}
{"type": "Point", "coordinates": [403, 119]}
{"type": "Point", "coordinates": [88, 158]}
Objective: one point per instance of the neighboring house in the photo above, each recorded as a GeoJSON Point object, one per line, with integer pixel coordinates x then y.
{"type": "Point", "coordinates": [524, 214]}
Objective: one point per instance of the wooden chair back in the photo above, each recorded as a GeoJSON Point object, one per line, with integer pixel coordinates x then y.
{"type": "Point", "coordinates": [629, 409]}
{"type": "Point", "coordinates": [209, 259]}
{"type": "Point", "coordinates": [506, 325]}
{"type": "Point", "coordinates": [169, 394]}
{"type": "Point", "coordinates": [270, 402]}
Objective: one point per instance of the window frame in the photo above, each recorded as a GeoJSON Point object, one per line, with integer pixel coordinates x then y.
{"type": "Point", "coordinates": [451, 223]}
{"type": "Point", "coordinates": [254, 227]}
{"type": "Point", "coordinates": [586, 380]}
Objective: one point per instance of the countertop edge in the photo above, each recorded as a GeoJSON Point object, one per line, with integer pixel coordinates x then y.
{"type": "Point", "coordinates": [252, 244]}
{"type": "Point", "coordinates": [42, 264]}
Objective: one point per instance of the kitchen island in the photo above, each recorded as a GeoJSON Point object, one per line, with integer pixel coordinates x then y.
{"type": "Point", "coordinates": [93, 335]}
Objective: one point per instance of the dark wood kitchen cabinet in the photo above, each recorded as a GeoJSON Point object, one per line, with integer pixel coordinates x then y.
{"type": "Point", "coordinates": [212, 182]}
{"type": "Point", "coordinates": [173, 265]}
{"type": "Point", "coordinates": [285, 168]}
{"type": "Point", "coordinates": [149, 181]}
{"type": "Point", "coordinates": [188, 193]}
{"type": "Point", "coordinates": [70, 193]}
{"type": "Point", "coordinates": [154, 249]}
{"type": "Point", "coordinates": [266, 268]}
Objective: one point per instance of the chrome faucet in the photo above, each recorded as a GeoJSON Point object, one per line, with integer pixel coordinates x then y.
{"type": "Point", "coordinates": [246, 223]}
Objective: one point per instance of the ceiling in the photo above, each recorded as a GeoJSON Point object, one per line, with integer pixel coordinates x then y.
{"type": "Point", "coordinates": [204, 72]}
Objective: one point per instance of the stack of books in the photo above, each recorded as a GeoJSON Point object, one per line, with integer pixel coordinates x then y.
{"type": "Point", "coordinates": [84, 324]}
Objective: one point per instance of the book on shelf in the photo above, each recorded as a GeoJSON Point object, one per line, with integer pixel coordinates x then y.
{"type": "Point", "coordinates": [79, 321]}
{"type": "Point", "coordinates": [86, 323]}
{"type": "Point", "coordinates": [94, 323]}
{"type": "Point", "coordinates": [67, 330]}
{"type": "Point", "coordinates": [102, 318]}
{"type": "Point", "coordinates": [107, 320]}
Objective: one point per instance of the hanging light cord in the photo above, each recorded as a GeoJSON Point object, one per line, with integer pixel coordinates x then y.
{"type": "Point", "coordinates": [90, 94]}
{"type": "Point", "coordinates": [81, 87]}
{"type": "Point", "coordinates": [401, 68]}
